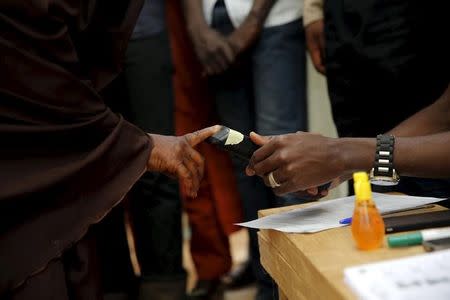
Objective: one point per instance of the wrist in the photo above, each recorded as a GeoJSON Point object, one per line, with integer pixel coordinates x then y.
{"type": "Point", "coordinates": [243, 37]}
{"type": "Point", "coordinates": [355, 154]}
{"type": "Point", "coordinates": [194, 26]}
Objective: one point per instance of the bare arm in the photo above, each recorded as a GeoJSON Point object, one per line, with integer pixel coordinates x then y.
{"type": "Point", "coordinates": [212, 49]}
{"type": "Point", "coordinates": [244, 36]}
{"type": "Point", "coordinates": [422, 143]}
{"type": "Point", "coordinates": [422, 146]}
{"type": "Point", "coordinates": [303, 160]}
{"type": "Point", "coordinates": [313, 22]}
{"type": "Point", "coordinates": [432, 119]}
{"type": "Point", "coordinates": [193, 10]}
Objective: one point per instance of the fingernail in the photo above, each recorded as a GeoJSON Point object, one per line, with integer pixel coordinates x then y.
{"type": "Point", "coordinates": [250, 172]}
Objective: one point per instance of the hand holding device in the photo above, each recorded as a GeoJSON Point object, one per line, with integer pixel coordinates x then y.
{"type": "Point", "coordinates": [242, 146]}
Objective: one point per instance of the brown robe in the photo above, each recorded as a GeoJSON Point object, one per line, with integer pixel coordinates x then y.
{"type": "Point", "coordinates": [65, 158]}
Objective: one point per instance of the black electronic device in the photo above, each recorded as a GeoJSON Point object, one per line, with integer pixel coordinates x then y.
{"type": "Point", "coordinates": [241, 146]}
{"type": "Point", "coordinates": [234, 142]}
{"type": "Point", "coordinates": [417, 221]}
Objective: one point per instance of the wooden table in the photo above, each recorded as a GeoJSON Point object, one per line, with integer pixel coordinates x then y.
{"type": "Point", "coordinates": [310, 266]}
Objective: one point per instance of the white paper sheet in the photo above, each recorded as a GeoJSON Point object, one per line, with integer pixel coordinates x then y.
{"type": "Point", "coordinates": [425, 276]}
{"type": "Point", "coordinates": [327, 214]}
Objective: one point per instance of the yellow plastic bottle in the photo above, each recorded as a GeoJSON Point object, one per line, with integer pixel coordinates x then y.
{"type": "Point", "coordinates": [367, 223]}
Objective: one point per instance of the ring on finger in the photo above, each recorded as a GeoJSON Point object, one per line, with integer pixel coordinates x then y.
{"type": "Point", "coordinates": [272, 182]}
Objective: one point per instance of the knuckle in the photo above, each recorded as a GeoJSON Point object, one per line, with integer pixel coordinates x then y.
{"type": "Point", "coordinates": [278, 140]}
{"type": "Point", "coordinates": [282, 156]}
{"type": "Point", "coordinates": [289, 169]}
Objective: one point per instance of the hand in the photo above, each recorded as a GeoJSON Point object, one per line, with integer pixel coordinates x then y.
{"type": "Point", "coordinates": [243, 37]}
{"type": "Point", "coordinates": [299, 161]}
{"type": "Point", "coordinates": [315, 41]}
{"type": "Point", "coordinates": [213, 50]}
{"type": "Point", "coordinates": [176, 157]}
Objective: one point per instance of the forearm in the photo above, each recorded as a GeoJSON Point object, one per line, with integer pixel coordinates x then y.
{"type": "Point", "coordinates": [423, 156]}
{"type": "Point", "coordinates": [193, 11]}
{"type": "Point", "coordinates": [246, 34]}
{"type": "Point", "coordinates": [432, 119]}
{"type": "Point", "coordinates": [258, 13]}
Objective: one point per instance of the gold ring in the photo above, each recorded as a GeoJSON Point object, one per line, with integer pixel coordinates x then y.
{"type": "Point", "coordinates": [273, 183]}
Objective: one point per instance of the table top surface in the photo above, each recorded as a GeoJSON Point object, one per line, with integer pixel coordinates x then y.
{"type": "Point", "coordinates": [323, 256]}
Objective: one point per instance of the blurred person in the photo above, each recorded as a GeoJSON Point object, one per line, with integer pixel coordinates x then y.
{"type": "Point", "coordinates": [218, 206]}
{"type": "Point", "coordinates": [253, 53]}
{"type": "Point", "coordinates": [379, 51]}
{"type": "Point", "coordinates": [68, 159]}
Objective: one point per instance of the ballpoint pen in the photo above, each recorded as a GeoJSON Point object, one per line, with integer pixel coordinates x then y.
{"type": "Point", "coordinates": [347, 221]}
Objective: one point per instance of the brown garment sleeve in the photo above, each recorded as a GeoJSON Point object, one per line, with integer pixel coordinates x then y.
{"type": "Point", "coordinates": [65, 158]}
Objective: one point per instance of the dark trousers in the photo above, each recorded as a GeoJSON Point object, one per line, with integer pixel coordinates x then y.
{"type": "Point", "coordinates": [381, 68]}
{"type": "Point", "coordinates": [147, 101]}
{"type": "Point", "coordinates": [263, 91]}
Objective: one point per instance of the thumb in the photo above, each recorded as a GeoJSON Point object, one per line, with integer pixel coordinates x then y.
{"type": "Point", "coordinates": [259, 139]}
{"type": "Point", "coordinates": [199, 136]}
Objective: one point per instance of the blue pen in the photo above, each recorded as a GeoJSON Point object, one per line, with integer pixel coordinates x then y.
{"type": "Point", "coordinates": [347, 221]}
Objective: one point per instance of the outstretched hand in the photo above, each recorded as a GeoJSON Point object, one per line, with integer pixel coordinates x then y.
{"type": "Point", "coordinates": [176, 157]}
{"type": "Point", "coordinates": [299, 162]}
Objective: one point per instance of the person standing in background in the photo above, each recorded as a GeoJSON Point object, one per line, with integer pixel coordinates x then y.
{"type": "Point", "coordinates": [375, 54]}
{"type": "Point", "coordinates": [154, 203]}
{"type": "Point", "coordinates": [218, 205]}
{"type": "Point", "coordinates": [253, 53]}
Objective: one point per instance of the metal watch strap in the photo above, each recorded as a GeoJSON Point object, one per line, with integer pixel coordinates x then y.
{"type": "Point", "coordinates": [384, 156]}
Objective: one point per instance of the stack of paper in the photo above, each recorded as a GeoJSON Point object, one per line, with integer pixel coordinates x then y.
{"type": "Point", "coordinates": [326, 214]}
{"type": "Point", "coordinates": [425, 276]}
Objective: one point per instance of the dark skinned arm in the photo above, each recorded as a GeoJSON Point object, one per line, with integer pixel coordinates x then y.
{"type": "Point", "coordinates": [303, 160]}
{"type": "Point", "coordinates": [246, 34]}
{"type": "Point", "coordinates": [212, 49]}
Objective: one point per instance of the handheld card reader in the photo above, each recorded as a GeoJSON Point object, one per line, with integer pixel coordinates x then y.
{"type": "Point", "coordinates": [234, 142]}
{"type": "Point", "coordinates": [241, 146]}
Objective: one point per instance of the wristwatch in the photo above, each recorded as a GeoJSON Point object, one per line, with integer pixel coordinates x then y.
{"type": "Point", "coordinates": [383, 171]}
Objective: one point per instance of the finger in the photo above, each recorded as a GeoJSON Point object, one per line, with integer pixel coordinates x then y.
{"type": "Point", "coordinates": [286, 188]}
{"type": "Point", "coordinates": [249, 171]}
{"type": "Point", "coordinates": [268, 182]}
{"type": "Point", "coordinates": [317, 61]}
{"type": "Point", "coordinates": [313, 191]}
{"type": "Point", "coordinates": [185, 178]}
{"type": "Point", "coordinates": [268, 165]}
{"type": "Point", "coordinates": [220, 62]}
{"type": "Point", "coordinates": [223, 56]}
{"type": "Point", "coordinates": [262, 153]}
{"type": "Point", "coordinates": [199, 136]}
{"type": "Point", "coordinates": [216, 62]}
{"type": "Point", "coordinates": [281, 175]}
{"type": "Point", "coordinates": [199, 160]}
{"type": "Point", "coordinates": [228, 53]}
{"type": "Point", "coordinates": [210, 65]}
{"type": "Point", "coordinates": [194, 170]}
{"type": "Point", "coordinates": [259, 139]}
{"type": "Point", "coordinates": [321, 66]}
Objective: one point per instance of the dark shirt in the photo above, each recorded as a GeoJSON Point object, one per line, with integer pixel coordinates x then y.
{"type": "Point", "coordinates": [152, 19]}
